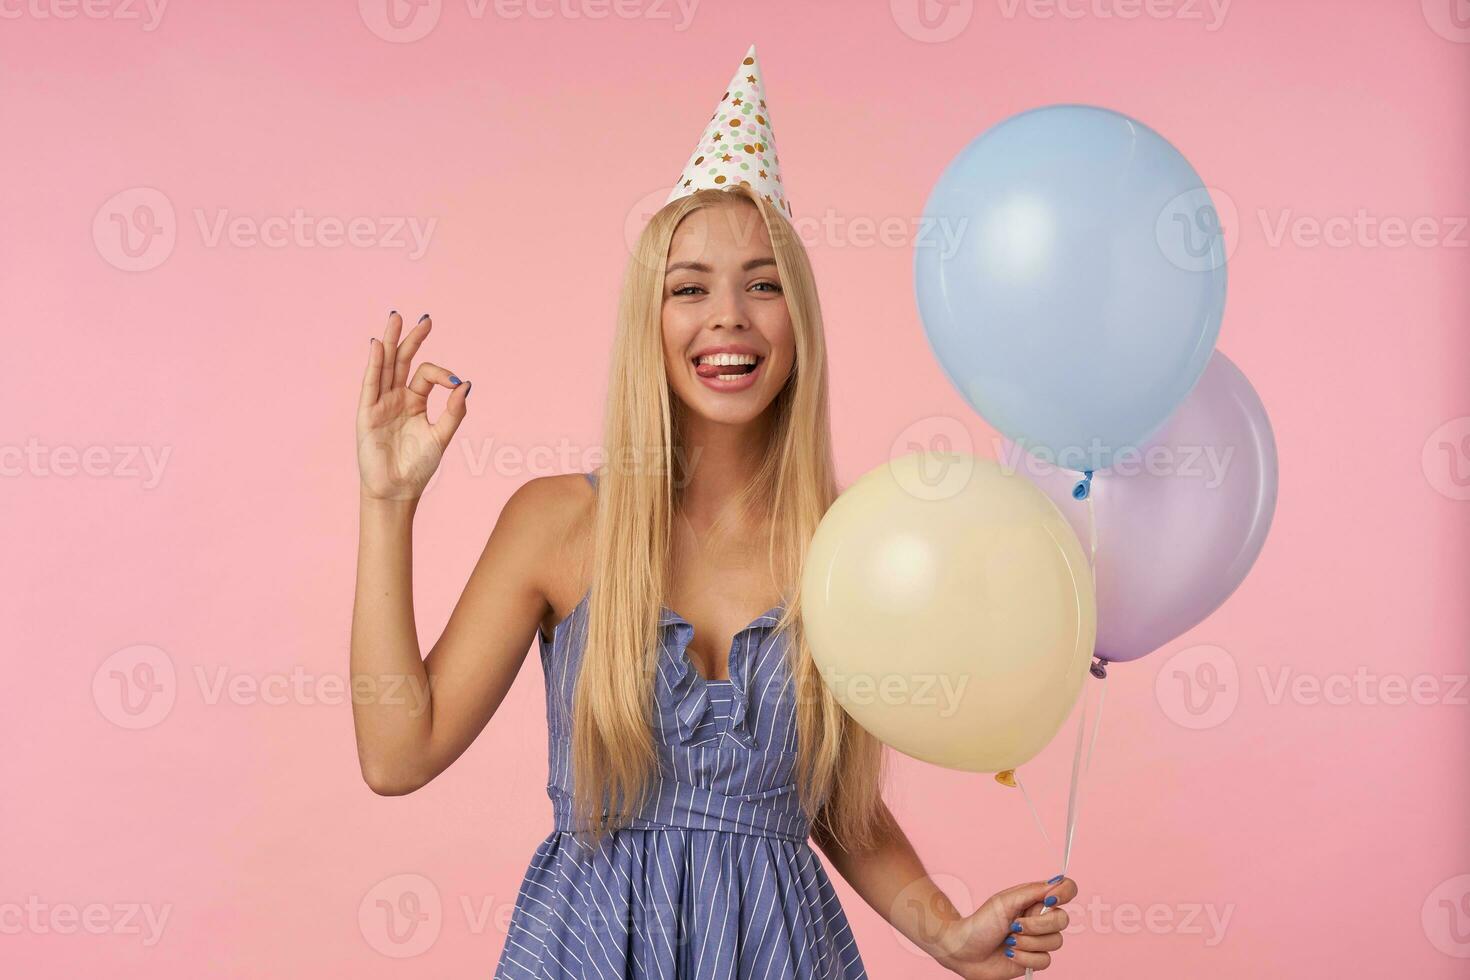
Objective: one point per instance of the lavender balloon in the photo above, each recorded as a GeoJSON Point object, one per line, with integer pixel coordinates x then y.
{"type": "Point", "coordinates": [1181, 520]}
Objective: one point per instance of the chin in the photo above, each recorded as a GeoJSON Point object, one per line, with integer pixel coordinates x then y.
{"type": "Point", "coordinates": [725, 408]}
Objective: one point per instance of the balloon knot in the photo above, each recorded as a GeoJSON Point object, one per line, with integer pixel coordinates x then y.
{"type": "Point", "coordinates": [1100, 668]}
{"type": "Point", "coordinates": [1083, 487]}
{"type": "Point", "coordinates": [1006, 777]}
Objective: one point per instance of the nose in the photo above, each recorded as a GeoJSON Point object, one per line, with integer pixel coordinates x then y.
{"type": "Point", "coordinates": [730, 312]}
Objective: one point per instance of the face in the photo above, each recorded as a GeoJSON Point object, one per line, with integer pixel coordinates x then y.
{"type": "Point", "coordinates": [728, 342]}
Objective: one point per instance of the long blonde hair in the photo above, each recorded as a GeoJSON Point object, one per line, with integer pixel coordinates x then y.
{"type": "Point", "coordinates": [614, 756]}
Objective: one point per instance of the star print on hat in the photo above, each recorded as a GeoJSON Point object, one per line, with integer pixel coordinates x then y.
{"type": "Point", "coordinates": [737, 146]}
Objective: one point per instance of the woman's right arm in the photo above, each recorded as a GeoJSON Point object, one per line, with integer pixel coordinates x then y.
{"type": "Point", "coordinates": [412, 715]}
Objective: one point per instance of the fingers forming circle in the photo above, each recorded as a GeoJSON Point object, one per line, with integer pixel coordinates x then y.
{"type": "Point", "coordinates": [427, 376]}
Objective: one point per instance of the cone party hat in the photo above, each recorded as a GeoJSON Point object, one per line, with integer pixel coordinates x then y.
{"type": "Point", "coordinates": [737, 146]}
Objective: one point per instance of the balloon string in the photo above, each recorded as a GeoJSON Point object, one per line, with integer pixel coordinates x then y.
{"type": "Point", "coordinates": [1092, 534]}
{"type": "Point", "coordinates": [1080, 762]}
{"type": "Point", "coordinates": [1034, 815]}
{"type": "Point", "coordinates": [1074, 803]}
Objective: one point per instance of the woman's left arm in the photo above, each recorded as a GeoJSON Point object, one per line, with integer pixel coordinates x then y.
{"type": "Point", "coordinates": [1013, 930]}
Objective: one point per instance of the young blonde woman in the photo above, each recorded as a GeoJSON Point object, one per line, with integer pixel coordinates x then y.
{"type": "Point", "coordinates": [694, 751]}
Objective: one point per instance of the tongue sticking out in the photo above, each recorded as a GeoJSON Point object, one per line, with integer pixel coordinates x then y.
{"type": "Point", "coordinates": [715, 370]}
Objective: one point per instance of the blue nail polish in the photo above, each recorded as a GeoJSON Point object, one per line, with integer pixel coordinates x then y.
{"type": "Point", "coordinates": [1011, 953]}
{"type": "Point", "coordinates": [453, 380]}
{"type": "Point", "coordinates": [469, 390]}
{"type": "Point", "coordinates": [1010, 940]}
{"type": "Point", "coordinates": [1015, 927]}
{"type": "Point", "coordinates": [1050, 901]}
{"type": "Point", "coordinates": [1053, 881]}
{"type": "Point", "coordinates": [423, 318]}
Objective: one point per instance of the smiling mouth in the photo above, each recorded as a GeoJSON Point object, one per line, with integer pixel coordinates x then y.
{"type": "Point", "coordinates": [726, 367]}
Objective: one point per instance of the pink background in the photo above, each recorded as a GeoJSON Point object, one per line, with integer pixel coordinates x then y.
{"type": "Point", "coordinates": [1326, 832]}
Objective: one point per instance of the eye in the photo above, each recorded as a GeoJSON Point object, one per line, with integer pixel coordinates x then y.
{"type": "Point", "coordinates": [775, 287]}
{"type": "Point", "coordinates": [684, 291]}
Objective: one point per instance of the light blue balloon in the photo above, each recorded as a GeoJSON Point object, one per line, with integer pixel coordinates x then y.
{"type": "Point", "coordinates": [1071, 279]}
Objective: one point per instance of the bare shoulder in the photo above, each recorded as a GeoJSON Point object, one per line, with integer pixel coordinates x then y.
{"type": "Point", "coordinates": [545, 500]}
{"type": "Point", "coordinates": [551, 518]}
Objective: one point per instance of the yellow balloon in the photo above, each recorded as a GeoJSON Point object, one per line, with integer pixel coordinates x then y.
{"type": "Point", "coordinates": [950, 609]}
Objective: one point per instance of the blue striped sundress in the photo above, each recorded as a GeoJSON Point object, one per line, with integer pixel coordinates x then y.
{"type": "Point", "coordinates": [713, 879]}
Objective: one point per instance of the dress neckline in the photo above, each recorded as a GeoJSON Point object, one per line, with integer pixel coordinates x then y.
{"type": "Point", "coordinates": [667, 617]}
{"type": "Point", "coordinates": [766, 619]}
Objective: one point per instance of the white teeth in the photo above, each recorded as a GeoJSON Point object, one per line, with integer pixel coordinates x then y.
{"type": "Point", "coordinates": [725, 360]}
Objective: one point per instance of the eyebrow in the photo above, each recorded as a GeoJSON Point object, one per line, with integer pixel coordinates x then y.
{"type": "Point", "coordinates": [701, 267]}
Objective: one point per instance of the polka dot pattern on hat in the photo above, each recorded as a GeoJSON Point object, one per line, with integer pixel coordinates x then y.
{"type": "Point", "coordinates": [737, 146]}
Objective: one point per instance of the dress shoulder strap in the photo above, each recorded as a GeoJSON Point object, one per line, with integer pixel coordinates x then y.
{"type": "Point", "coordinates": [592, 479]}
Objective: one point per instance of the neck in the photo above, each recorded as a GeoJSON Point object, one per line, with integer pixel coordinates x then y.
{"type": "Point", "coordinates": [719, 458]}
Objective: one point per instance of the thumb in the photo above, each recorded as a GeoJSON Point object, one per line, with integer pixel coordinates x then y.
{"type": "Point", "coordinates": [448, 421]}
{"type": "Point", "coordinates": [1017, 900]}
